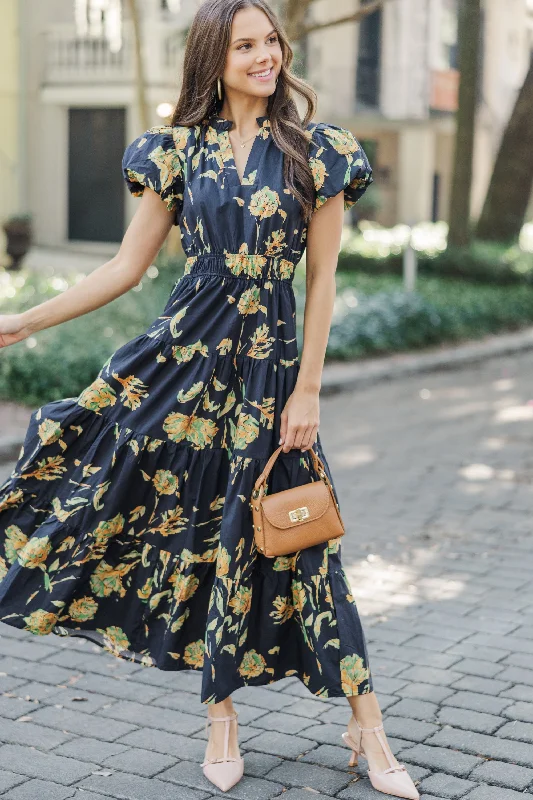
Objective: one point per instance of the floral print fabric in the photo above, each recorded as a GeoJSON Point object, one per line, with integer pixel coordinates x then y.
{"type": "Point", "coordinates": [127, 518]}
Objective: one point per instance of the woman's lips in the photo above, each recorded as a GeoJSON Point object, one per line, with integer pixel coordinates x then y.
{"type": "Point", "coordinates": [262, 76]}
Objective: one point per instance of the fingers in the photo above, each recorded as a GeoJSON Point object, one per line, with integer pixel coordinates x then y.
{"type": "Point", "coordinates": [302, 436]}
{"type": "Point", "coordinates": [309, 440]}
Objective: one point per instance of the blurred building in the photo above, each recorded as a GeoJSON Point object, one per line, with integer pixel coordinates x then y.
{"type": "Point", "coordinates": [393, 80]}
{"type": "Point", "coordinates": [11, 143]}
{"type": "Point", "coordinates": [71, 102]}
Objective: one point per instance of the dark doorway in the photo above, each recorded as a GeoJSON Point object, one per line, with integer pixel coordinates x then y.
{"type": "Point", "coordinates": [95, 186]}
{"type": "Point", "coordinates": [368, 72]}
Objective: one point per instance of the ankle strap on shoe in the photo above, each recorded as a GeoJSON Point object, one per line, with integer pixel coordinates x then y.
{"type": "Point", "coordinates": [226, 730]}
{"type": "Point", "coordinates": [222, 719]}
{"type": "Point", "coordinates": [372, 730]}
{"type": "Point", "coordinates": [386, 751]}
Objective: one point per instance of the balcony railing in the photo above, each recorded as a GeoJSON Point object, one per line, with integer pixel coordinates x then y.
{"type": "Point", "coordinates": [70, 59]}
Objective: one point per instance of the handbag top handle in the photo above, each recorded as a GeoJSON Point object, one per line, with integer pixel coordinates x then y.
{"type": "Point", "coordinates": [319, 466]}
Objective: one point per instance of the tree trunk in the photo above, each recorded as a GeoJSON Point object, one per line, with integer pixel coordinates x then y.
{"type": "Point", "coordinates": [140, 80]}
{"type": "Point", "coordinates": [468, 56]}
{"type": "Point", "coordinates": [510, 187]}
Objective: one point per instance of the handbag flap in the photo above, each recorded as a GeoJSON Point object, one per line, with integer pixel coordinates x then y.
{"type": "Point", "coordinates": [309, 502]}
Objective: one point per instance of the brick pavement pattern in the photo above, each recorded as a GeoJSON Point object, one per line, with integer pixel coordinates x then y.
{"type": "Point", "coordinates": [435, 476]}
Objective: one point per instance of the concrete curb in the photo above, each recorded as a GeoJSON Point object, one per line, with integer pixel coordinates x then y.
{"type": "Point", "coordinates": [339, 377]}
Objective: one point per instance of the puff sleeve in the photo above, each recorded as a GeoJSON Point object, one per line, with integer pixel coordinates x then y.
{"type": "Point", "coordinates": [338, 162]}
{"type": "Point", "coordinates": [156, 159]}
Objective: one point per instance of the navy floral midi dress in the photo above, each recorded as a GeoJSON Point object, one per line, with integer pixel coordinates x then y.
{"type": "Point", "coordinates": [127, 518]}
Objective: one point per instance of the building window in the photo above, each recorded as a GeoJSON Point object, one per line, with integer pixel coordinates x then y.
{"type": "Point", "coordinates": [368, 61]}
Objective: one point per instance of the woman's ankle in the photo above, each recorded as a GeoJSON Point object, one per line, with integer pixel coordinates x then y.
{"type": "Point", "coordinates": [222, 709]}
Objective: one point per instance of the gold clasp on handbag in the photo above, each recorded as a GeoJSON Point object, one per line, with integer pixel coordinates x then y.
{"type": "Point", "coordinates": [297, 514]}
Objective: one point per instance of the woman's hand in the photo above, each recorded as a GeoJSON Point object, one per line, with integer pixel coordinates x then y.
{"type": "Point", "coordinates": [12, 329]}
{"type": "Point", "coordinates": [300, 420]}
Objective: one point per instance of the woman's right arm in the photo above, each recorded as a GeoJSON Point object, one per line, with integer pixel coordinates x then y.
{"type": "Point", "coordinates": [142, 241]}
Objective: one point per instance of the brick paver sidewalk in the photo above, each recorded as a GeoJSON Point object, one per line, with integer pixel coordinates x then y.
{"type": "Point", "coordinates": [435, 474]}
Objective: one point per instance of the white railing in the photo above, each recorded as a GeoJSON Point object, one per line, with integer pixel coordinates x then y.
{"type": "Point", "coordinates": [70, 59]}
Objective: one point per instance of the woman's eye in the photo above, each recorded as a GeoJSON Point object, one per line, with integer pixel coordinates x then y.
{"type": "Point", "coordinates": [271, 39]}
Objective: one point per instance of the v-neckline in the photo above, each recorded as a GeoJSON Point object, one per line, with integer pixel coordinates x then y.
{"type": "Point", "coordinates": [222, 127]}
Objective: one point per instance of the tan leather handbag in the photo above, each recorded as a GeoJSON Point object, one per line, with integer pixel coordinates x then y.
{"type": "Point", "coordinates": [295, 518]}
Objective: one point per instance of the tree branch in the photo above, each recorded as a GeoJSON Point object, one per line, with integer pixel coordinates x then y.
{"type": "Point", "coordinates": [356, 16]}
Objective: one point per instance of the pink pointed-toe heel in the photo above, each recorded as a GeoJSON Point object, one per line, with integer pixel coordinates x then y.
{"type": "Point", "coordinates": [223, 772]}
{"type": "Point", "coordinates": [395, 780]}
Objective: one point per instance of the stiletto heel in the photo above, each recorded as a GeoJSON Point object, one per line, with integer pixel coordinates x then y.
{"type": "Point", "coordinates": [355, 748]}
{"type": "Point", "coordinates": [395, 780]}
{"type": "Point", "coordinates": [227, 771]}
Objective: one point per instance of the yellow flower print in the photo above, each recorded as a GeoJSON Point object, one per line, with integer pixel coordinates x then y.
{"type": "Point", "coordinates": [247, 431]}
{"type": "Point", "coordinates": [115, 639]}
{"type": "Point", "coordinates": [282, 563]}
{"type": "Point", "coordinates": [283, 610]}
{"type": "Point", "coordinates": [15, 540]}
{"type": "Point", "coordinates": [11, 499]}
{"type": "Point", "coordinates": [185, 352]}
{"type": "Point", "coordinates": [133, 389]}
{"type": "Point", "coordinates": [49, 469]}
{"type": "Point", "coordinates": [264, 203]}
{"type": "Point", "coordinates": [223, 562]}
{"type": "Point", "coordinates": [145, 591]}
{"type": "Point", "coordinates": [34, 552]}
{"type": "Point", "coordinates": [353, 674]}
{"type": "Point", "coordinates": [173, 522]}
{"type": "Point", "coordinates": [165, 482]}
{"type": "Point", "coordinates": [105, 530]}
{"type": "Point", "coordinates": [261, 343]}
{"type": "Point", "coordinates": [298, 595]}
{"type": "Point", "coordinates": [169, 165]}
{"type": "Point", "coordinates": [180, 134]}
{"type": "Point", "coordinates": [198, 431]}
{"type": "Point", "coordinates": [318, 168]}
{"type": "Point", "coordinates": [83, 609]}
{"type": "Point", "coordinates": [96, 396]}
{"type": "Point", "coordinates": [343, 141]}
{"type": "Point", "coordinates": [49, 431]}
{"type": "Point", "coordinates": [242, 601]}
{"type": "Point", "coordinates": [228, 405]}
{"type": "Point", "coordinates": [286, 268]}
{"type": "Point", "coordinates": [3, 568]}
{"type": "Point", "coordinates": [243, 263]}
{"type": "Point", "coordinates": [67, 544]}
{"type": "Point", "coordinates": [184, 586]}
{"type": "Point", "coordinates": [40, 622]}
{"type": "Point", "coordinates": [210, 135]}
{"type": "Point", "coordinates": [252, 664]}
{"type": "Point", "coordinates": [250, 301]}
{"type": "Point", "coordinates": [194, 654]}
{"type": "Point", "coordinates": [189, 263]}
{"type": "Point", "coordinates": [275, 243]}
{"type": "Point", "coordinates": [185, 397]}
{"type": "Point", "coordinates": [107, 579]}
{"type": "Point", "coordinates": [224, 346]}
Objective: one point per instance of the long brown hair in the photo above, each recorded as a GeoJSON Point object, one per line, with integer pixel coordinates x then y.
{"type": "Point", "coordinates": [204, 60]}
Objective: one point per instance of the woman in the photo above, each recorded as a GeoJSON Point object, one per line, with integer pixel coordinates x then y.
{"type": "Point", "coordinates": [127, 518]}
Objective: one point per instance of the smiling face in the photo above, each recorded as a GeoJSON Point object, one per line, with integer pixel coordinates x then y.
{"type": "Point", "coordinates": [254, 55]}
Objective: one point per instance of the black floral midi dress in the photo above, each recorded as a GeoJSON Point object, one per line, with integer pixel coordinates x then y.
{"type": "Point", "coordinates": [127, 517]}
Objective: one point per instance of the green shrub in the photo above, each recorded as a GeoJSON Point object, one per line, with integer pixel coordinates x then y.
{"type": "Point", "coordinates": [380, 252]}
{"type": "Point", "coordinates": [59, 362]}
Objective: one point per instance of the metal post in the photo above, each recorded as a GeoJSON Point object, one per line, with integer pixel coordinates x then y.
{"type": "Point", "coordinates": [410, 263]}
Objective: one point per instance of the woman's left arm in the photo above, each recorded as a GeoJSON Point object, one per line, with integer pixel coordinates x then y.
{"type": "Point", "coordinates": [301, 416]}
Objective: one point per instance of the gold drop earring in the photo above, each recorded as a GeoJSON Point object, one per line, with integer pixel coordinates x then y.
{"type": "Point", "coordinates": [219, 88]}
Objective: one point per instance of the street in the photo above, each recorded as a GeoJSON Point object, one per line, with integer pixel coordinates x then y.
{"type": "Point", "coordinates": [435, 479]}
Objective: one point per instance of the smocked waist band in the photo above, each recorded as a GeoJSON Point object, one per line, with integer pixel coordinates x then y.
{"type": "Point", "coordinates": [240, 265]}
